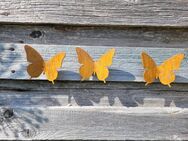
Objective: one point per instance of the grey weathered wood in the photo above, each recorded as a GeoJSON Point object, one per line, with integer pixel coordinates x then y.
{"type": "Point", "coordinates": [96, 12]}
{"type": "Point", "coordinates": [127, 66]}
{"type": "Point", "coordinates": [90, 110]}
{"type": "Point", "coordinates": [42, 93]}
{"type": "Point", "coordinates": [95, 36]}
{"type": "Point", "coordinates": [96, 123]}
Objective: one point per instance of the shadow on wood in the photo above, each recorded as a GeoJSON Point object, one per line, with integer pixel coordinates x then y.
{"type": "Point", "coordinates": [43, 93]}
{"type": "Point", "coordinates": [113, 75]}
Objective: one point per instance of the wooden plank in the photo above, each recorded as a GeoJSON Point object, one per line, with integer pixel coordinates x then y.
{"type": "Point", "coordinates": [73, 110]}
{"type": "Point", "coordinates": [41, 93]}
{"type": "Point", "coordinates": [88, 123]}
{"type": "Point", "coordinates": [96, 12]}
{"type": "Point", "coordinates": [95, 36]}
{"type": "Point", "coordinates": [127, 66]}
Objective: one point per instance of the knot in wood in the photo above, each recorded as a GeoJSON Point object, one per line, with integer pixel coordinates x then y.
{"type": "Point", "coordinates": [36, 34]}
{"type": "Point", "coordinates": [8, 113]}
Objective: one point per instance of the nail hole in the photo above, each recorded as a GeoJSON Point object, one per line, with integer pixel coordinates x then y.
{"type": "Point", "coordinates": [35, 34]}
{"type": "Point", "coordinates": [13, 71]}
{"type": "Point", "coordinates": [8, 113]}
{"type": "Point", "coordinates": [11, 49]}
{"type": "Point", "coordinates": [21, 41]}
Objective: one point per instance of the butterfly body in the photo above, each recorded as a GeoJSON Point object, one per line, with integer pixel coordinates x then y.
{"type": "Point", "coordinates": [165, 71]}
{"type": "Point", "coordinates": [38, 66]}
{"type": "Point", "coordinates": [90, 67]}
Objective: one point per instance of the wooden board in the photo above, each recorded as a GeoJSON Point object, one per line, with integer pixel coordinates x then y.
{"type": "Point", "coordinates": [93, 111]}
{"type": "Point", "coordinates": [33, 93]}
{"type": "Point", "coordinates": [85, 123]}
{"type": "Point", "coordinates": [95, 36]}
{"type": "Point", "coordinates": [123, 108]}
{"type": "Point", "coordinates": [127, 66]}
{"type": "Point", "coordinates": [96, 12]}
{"type": "Point", "coordinates": [73, 110]}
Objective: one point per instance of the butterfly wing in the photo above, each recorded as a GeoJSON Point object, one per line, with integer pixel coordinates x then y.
{"type": "Point", "coordinates": [37, 63]}
{"type": "Point", "coordinates": [151, 72]}
{"type": "Point", "coordinates": [52, 65]}
{"type": "Point", "coordinates": [101, 65]}
{"type": "Point", "coordinates": [167, 68]}
{"type": "Point", "coordinates": [101, 71]}
{"type": "Point", "coordinates": [87, 67]}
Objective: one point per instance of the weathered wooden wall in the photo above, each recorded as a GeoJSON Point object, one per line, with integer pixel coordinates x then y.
{"type": "Point", "coordinates": [122, 109]}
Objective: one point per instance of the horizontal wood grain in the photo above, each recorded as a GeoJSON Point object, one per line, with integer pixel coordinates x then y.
{"type": "Point", "coordinates": [93, 111]}
{"type": "Point", "coordinates": [96, 12]}
{"type": "Point", "coordinates": [123, 108]}
{"type": "Point", "coordinates": [95, 36]}
{"type": "Point", "coordinates": [113, 94]}
{"type": "Point", "coordinates": [73, 123]}
{"type": "Point", "coordinates": [127, 66]}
